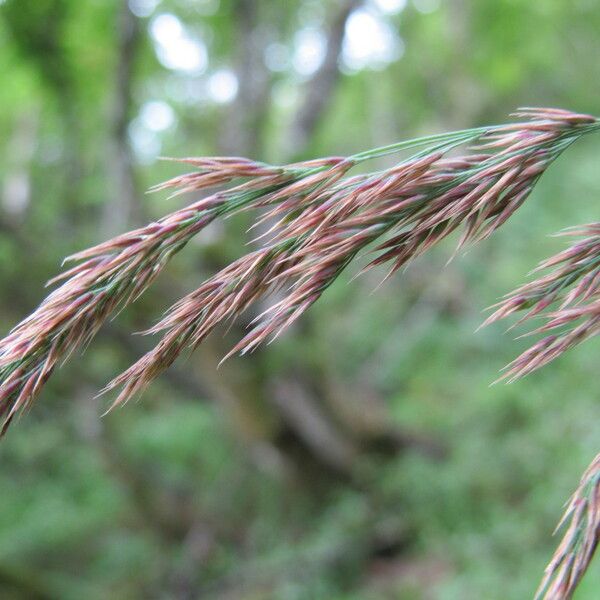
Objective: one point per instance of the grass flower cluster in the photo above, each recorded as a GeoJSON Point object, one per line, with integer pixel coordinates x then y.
{"type": "Point", "coordinates": [316, 217]}
{"type": "Point", "coordinates": [575, 551]}
{"type": "Point", "coordinates": [568, 296]}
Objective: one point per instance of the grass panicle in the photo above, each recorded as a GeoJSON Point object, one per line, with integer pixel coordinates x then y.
{"type": "Point", "coordinates": [576, 549]}
{"type": "Point", "coordinates": [320, 219]}
{"type": "Point", "coordinates": [567, 297]}
{"type": "Point", "coordinates": [316, 218]}
{"type": "Point", "coordinates": [410, 207]}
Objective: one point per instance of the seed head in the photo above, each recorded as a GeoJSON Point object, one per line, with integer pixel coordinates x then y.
{"type": "Point", "coordinates": [320, 218]}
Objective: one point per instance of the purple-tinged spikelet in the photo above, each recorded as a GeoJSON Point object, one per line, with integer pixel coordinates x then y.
{"type": "Point", "coordinates": [577, 547]}
{"type": "Point", "coordinates": [412, 205]}
{"type": "Point", "coordinates": [567, 297]}
{"type": "Point", "coordinates": [113, 274]}
{"type": "Point", "coordinates": [323, 219]}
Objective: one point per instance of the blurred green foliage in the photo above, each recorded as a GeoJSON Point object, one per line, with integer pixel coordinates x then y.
{"type": "Point", "coordinates": [425, 481]}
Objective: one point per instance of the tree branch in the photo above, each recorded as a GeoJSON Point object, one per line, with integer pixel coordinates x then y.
{"type": "Point", "coordinates": [243, 127]}
{"type": "Point", "coordinates": [319, 89]}
{"type": "Point", "coordinates": [124, 205]}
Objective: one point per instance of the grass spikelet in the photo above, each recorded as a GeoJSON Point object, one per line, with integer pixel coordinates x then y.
{"type": "Point", "coordinates": [411, 206]}
{"type": "Point", "coordinates": [567, 297]}
{"type": "Point", "coordinates": [580, 538]}
{"type": "Point", "coordinates": [324, 218]}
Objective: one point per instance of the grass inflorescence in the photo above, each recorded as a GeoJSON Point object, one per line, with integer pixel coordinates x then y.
{"type": "Point", "coordinates": [567, 297]}
{"type": "Point", "coordinates": [576, 549]}
{"type": "Point", "coordinates": [316, 218]}
{"type": "Point", "coordinates": [320, 217]}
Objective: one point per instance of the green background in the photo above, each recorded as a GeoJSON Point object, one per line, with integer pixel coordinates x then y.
{"type": "Point", "coordinates": [364, 454]}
